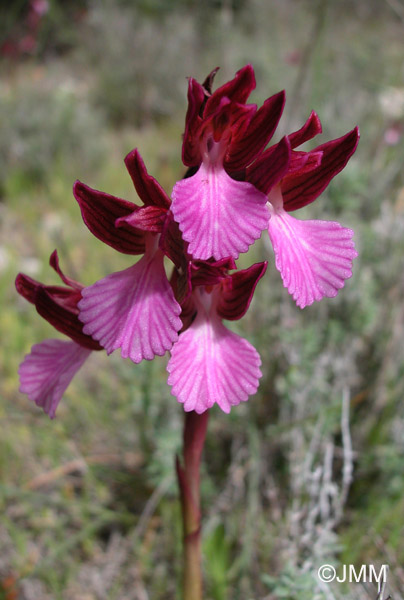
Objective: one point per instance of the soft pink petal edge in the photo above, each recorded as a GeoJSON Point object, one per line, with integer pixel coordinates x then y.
{"type": "Point", "coordinates": [313, 257]}
{"type": "Point", "coordinates": [218, 215]}
{"type": "Point", "coordinates": [210, 364]}
{"type": "Point", "coordinates": [134, 310]}
{"type": "Point", "coordinates": [46, 372]}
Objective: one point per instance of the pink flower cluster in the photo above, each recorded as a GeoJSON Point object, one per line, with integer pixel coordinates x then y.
{"type": "Point", "coordinates": [235, 188]}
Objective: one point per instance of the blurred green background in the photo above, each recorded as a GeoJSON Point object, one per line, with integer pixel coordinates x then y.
{"type": "Point", "coordinates": [88, 502]}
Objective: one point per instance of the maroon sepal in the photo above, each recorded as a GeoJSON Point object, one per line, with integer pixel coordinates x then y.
{"type": "Point", "coordinates": [180, 287]}
{"type": "Point", "coordinates": [270, 167]}
{"type": "Point", "coordinates": [237, 291]}
{"type": "Point", "coordinates": [54, 263]}
{"type": "Point", "coordinates": [172, 244]}
{"type": "Point", "coordinates": [310, 129]}
{"type": "Point", "coordinates": [57, 305]}
{"type": "Point", "coordinates": [146, 218]}
{"type": "Point", "coordinates": [179, 284]}
{"type": "Point", "coordinates": [197, 273]}
{"type": "Point", "coordinates": [100, 211]}
{"type": "Point", "coordinates": [149, 190]}
{"type": "Point", "coordinates": [240, 117]}
{"type": "Point", "coordinates": [209, 273]}
{"type": "Point", "coordinates": [230, 118]}
{"type": "Point", "coordinates": [208, 83]}
{"type": "Point", "coordinates": [26, 287]}
{"type": "Point", "coordinates": [191, 155]}
{"type": "Point", "coordinates": [237, 90]}
{"type": "Point", "coordinates": [303, 162]}
{"type": "Point", "coordinates": [58, 311]}
{"type": "Point", "coordinates": [244, 148]}
{"type": "Point", "coordinates": [298, 190]}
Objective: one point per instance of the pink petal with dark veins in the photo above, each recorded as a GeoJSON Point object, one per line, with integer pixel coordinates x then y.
{"type": "Point", "coordinates": [210, 364]}
{"type": "Point", "coordinates": [217, 215]}
{"type": "Point", "coordinates": [134, 310]}
{"type": "Point", "coordinates": [46, 372]}
{"type": "Point", "coordinates": [313, 257]}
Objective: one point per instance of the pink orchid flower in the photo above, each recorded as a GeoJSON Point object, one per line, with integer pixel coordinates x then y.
{"type": "Point", "coordinates": [134, 309]}
{"type": "Point", "coordinates": [224, 140]}
{"type": "Point", "coordinates": [46, 372]}
{"type": "Point", "coordinates": [218, 215]}
{"type": "Point", "coordinates": [209, 363]}
{"type": "Point", "coordinates": [234, 189]}
{"type": "Point", "coordinates": [314, 257]}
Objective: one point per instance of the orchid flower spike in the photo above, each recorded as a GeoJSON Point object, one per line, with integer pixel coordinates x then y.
{"type": "Point", "coordinates": [235, 188]}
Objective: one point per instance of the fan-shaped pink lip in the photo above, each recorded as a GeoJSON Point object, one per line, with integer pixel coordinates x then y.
{"type": "Point", "coordinates": [210, 364]}
{"type": "Point", "coordinates": [134, 309]}
{"type": "Point", "coordinates": [314, 257]}
{"type": "Point", "coordinates": [218, 216]}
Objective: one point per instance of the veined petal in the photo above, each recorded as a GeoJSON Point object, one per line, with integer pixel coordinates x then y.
{"type": "Point", "coordinates": [100, 211]}
{"type": "Point", "coordinates": [245, 147]}
{"type": "Point", "coordinates": [270, 167]}
{"type": "Point", "coordinates": [172, 244]}
{"type": "Point", "coordinates": [229, 118]}
{"type": "Point", "coordinates": [27, 287]}
{"type": "Point", "coordinates": [210, 364]}
{"type": "Point", "coordinates": [302, 188]}
{"type": "Point", "coordinates": [237, 291]}
{"type": "Point", "coordinates": [145, 218]}
{"type": "Point", "coordinates": [313, 257]}
{"type": "Point", "coordinates": [208, 83]}
{"type": "Point", "coordinates": [217, 215]}
{"type": "Point", "coordinates": [303, 162]}
{"type": "Point", "coordinates": [62, 314]}
{"type": "Point", "coordinates": [209, 273]}
{"type": "Point", "coordinates": [134, 310]}
{"type": "Point", "coordinates": [310, 129]}
{"type": "Point", "coordinates": [237, 90]}
{"type": "Point", "coordinates": [54, 263]}
{"type": "Point", "coordinates": [149, 190]}
{"type": "Point", "coordinates": [46, 372]}
{"type": "Point", "coordinates": [191, 154]}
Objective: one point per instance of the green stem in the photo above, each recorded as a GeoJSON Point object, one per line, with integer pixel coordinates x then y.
{"type": "Point", "coordinates": [195, 427]}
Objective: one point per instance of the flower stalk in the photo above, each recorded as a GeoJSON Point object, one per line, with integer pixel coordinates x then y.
{"type": "Point", "coordinates": [188, 473]}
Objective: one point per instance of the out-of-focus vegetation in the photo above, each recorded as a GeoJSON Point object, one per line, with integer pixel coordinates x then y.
{"type": "Point", "coordinates": [89, 502]}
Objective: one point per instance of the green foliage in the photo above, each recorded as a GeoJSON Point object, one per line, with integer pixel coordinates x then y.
{"type": "Point", "coordinates": [291, 584]}
{"type": "Point", "coordinates": [216, 550]}
{"type": "Point", "coordinates": [42, 127]}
